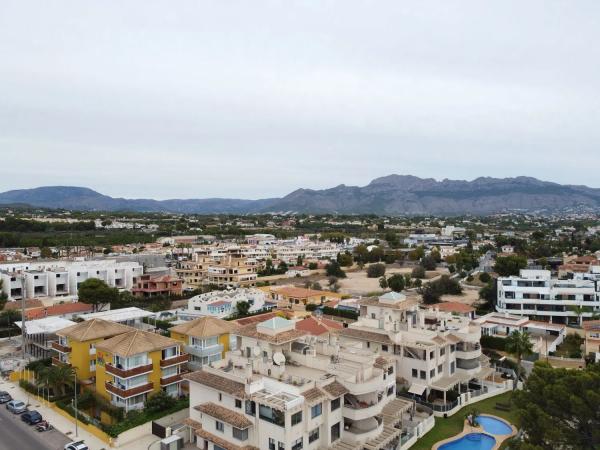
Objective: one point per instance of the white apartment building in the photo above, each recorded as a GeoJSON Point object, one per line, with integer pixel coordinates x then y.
{"type": "Point", "coordinates": [223, 304]}
{"type": "Point", "coordinates": [436, 354]}
{"type": "Point", "coordinates": [62, 278]}
{"type": "Point", "coordinates": [535, 294]}
{"type": "Point", "coordinates": [285, 390]}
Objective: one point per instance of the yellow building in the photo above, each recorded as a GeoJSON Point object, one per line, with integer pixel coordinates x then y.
{"type": "Point", "coordinates": [205, 339]}
{"type": "Point", "coordinates": [76, 345]}
{"type": "Point", "coordinates": [137, 364]}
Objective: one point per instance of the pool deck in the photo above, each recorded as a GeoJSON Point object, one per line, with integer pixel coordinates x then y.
{"type": "Point", "coordinates": [467, 429]}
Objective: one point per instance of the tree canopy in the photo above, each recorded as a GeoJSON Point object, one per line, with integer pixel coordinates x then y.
{"type": "Point", "coordinates": [509, 265]}
{"type": "Point", "coordinates": [96, 292]}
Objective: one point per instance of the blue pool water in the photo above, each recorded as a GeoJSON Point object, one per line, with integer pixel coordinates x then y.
{"type": "Point", "coordinates": [471, 441]}
{"type": "Point", "coordinates": [494, 426]}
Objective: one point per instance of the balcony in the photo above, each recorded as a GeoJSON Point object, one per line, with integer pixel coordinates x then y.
{"type": "Point", "coordinates": [360, 413]}
{"type": "Point", "coordinates": [125, 393]}
{"type": "Point", "coordinates": [170, 380]}
{"type": "Point", "coordinates": [180, 359]}
{"type": "Point", "coordinates": [127, 373]}
{"type": "Point", "coordinates": [58, 362]}
{"type": "Point", "coordinates": [60, 348]}
{"type": "Point", "coordinates": [203, 351]}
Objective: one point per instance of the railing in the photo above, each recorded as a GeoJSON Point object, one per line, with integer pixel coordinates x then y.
{"type": "Point", "coordinates": [444, 407]}
{"type": "Point", "coordinates": [204, 351]}
{"type": "Point", "coordinates": [124, 393]}
{"type": "Point", "coordinates": [127, 373]}
{"type": "Point", "coordinates": [60, 348]}
{"type": "Point", "coordinates": [58, 362]}
{"type": "Point", "coordinates": [170, 380]}
{"type": "Point", "coordinates": [184, 357]}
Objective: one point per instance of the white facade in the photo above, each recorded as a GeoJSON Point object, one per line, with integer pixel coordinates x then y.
{"type": "Point", "coordinates": [535, 294]}
{"type": "Point", "coordinates": [62, 278]}
{"type": "Point", "coordinates": [223, 304]}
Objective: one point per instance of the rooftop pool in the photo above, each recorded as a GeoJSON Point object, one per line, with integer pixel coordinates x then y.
{"type": "Point", "coordinates": [471, 441]}
{"type": "Point", "coordinates": [492, 425]}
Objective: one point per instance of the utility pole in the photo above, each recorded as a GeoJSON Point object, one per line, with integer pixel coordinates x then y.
{"type": "Point", "coordinates": [22, 277]}
{"type": "Point", "coordinates": [76, 414]}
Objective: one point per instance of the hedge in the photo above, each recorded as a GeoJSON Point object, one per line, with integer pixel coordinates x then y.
{"type": "Point", "coordinates": [493, 342]}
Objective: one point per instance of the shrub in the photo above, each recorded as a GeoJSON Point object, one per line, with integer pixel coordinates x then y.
{"type": "Point", "coordinates": [418, 272]}
{"type": "Point", "coordinates": [493, 342]}
{"type": "Point", "coordinates": [484, 277]}
{"type": "Point", "coordinates": [376, 270]}
{"type": "Point", "coordinates": [334, 270]}
{"type": "Point", "coordinates": [470, 278]}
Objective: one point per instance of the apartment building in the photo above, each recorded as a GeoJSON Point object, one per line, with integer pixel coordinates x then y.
{"type": "Point", "coordinates": [134, 365]}
{"type": "Point", "coordinates": [223, 304]}
{"type": "Point", "coordinates": [206, 340]}
{"type": "Point", "coordinates": [148, 286]}
{"type": "Point", "coordinates": [535, 294]}
{"type": "Point", "coordinates": [284, 389]}
{"type": "Point", "coordinates": [194, 272]}
{"type": "Point", "coordinates": [434, 352]}
{"type": "Point", "coordinates": [62, 278]}
{"type": "Point", "coordinates": [233, 271]}
{"type": "Point", "coordinates": [76, 345]}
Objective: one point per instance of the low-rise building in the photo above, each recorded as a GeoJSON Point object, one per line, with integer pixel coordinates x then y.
{"type": "Point", "coordinates": [40, 333]}
{"type": "Point", "coordinates": [223, 304]}
{"type": "Point", "coordinates": [152, 286]}
{"type": "Point", "coordinates": [592, 339]}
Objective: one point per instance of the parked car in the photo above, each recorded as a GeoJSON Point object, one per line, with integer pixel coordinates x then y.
{"type": "Point", "coordinates": [5, 397]}
{"type": "Point", "coordinates": [79, 445]}
{"type": "Point", "coordinates": [31, 417]}
{"type": "Point", "coordinates": [16, 406]}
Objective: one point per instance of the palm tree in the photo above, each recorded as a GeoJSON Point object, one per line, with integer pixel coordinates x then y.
{"type": "Point", "coordinates": [57, 377]}
{"type": "Point", "coordinates": [519, 344]}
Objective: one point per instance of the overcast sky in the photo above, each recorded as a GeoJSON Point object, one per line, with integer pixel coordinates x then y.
{"type": "Point", "coordinates": [250, 99]}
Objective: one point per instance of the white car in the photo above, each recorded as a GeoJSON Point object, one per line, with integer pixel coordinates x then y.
{"type": "Point", "coordinates": [79, 445]}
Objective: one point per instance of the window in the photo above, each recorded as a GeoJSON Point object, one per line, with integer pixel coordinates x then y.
{"type": "Point", "coordinates": [297, 444]}
{"type": "Point", "coordinates": [440, 368]}
{"type": "Point", "coordinates": [313, 435]}
{"type": "Point", "coordinates": [280, 445]}
{"type": "Point", "coordinates": [220, 397]}
{"type": "Point", "coordinates": [240, 435]}
{"type": "Point", "coordinates": [335, 404]}
{"type": "Point", "coordinates": [296, 418]}
{"type": "Point", "coordinates": [368, 345]}
{"type": "Point", "coordinates": [415, 373]}
{"type": "Point", "coordinates": [452, 348]}
{"type": "Point", "coordinates": [238, 403]}
{"type": "Point", "coordinates": [219, 426]}
{"type": "Point", "coordinates": [250, 408]}
{"type": "Point", "coordinates": [335, 432]}
{"type": "Point", "coordinates": [452, 367]}
{"type": "Point", "coordinates": [271, 415]}
{"type": "Point", "coordinates": [390, 370]}
{"type": "Point", "coordinates": [423, 375]}
{"type": "Point", "coordinates": [432, 373]}
{"type": "Point", "coordinates": [431, 355]}
{"type": "Point", "coordinates": [442, 351]}
{"type": "Point", "coordinates": [390, 391]}
{"type": "Point", "coordinates": [271, 444]}
{"type": "Point", "coordinates": [316, 410]}
{"type": "Point", "coordinates": [384, 348]}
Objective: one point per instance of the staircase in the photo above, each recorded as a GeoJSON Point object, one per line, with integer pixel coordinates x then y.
{"type": "Point", "coordinates": [392, 418]}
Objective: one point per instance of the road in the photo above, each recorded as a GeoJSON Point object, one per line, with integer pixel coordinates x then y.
{"type": "Point", "coordinates": [16, 435]}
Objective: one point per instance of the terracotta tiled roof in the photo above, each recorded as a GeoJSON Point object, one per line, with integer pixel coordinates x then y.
{"type": "Point", "coordinates": [317, 327]}
{"type": "Point", "coordinates": [204, 327]}
{"type": "Point", "coordinates": [591, 325]}
{"type": "Point", "coordinates": [217, 382]}
{"type": "Point", "coordinates": [335, 389]}
{"type": "Point", "coordinates": [94, 329]}
{"type": "Point", "coordinates": [363, 335]}
{"type": "Point", "coordinates": [224, 414]}
{"type": "Point", "coordinates": [314, 395]}
{"type": "Point", "coordinates": [279, 338]}
{"type": "Point", "coordinates": [453, 339]}
{"type": "Point", "coordinates": [255, 319]}
{"type": "Point", "coordinates": [136, 341]}
{"type": "Point", "coordinates": [222, 442]}
{"type": "Point", "coordinates": [192, 423]}
{"type": "Point", "coordinates": [58, 310]}
{"type": "Point", "coordinates": [382, 362]}
{"type": "Point", "coordinates": [439, 340]}
{"type": "Point", "coordinates": [29, 304]}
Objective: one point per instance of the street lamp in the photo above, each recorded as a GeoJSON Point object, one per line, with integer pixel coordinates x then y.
{"type": "Point", "coordinates": [75, 404]}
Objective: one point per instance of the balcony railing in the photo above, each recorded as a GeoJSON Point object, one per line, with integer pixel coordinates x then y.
{"type": "Point", "coordinates": [170, 380]}
{"type": "Point", "coordinates": [125, 393]}
{"type": "Point", "coordinates": [180, 359]}
{"type": "Point", "coordinates": [60, 348]}
{"type": "Point", "coordinates": [204, 351]}
{"type": "Point", "coordinates": [58, 362]}
{"type": "Point", "coordinates": [127, 373]}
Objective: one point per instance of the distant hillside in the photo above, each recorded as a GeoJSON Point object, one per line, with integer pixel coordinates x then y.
{"type": "Point", "coordinates": [391, 195]}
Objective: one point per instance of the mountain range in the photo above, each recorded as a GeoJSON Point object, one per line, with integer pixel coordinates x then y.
{"type": "Point", "coordinates": [389, 195]}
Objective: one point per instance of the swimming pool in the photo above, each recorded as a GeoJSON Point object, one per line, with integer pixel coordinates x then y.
{"type": "Point", "coordinates": [471, 441]}
{"type": "Point", "coordinates": [494, 426]}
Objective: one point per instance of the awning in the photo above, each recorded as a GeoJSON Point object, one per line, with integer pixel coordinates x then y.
{"type": "Point", "coordinates": [417, 389]}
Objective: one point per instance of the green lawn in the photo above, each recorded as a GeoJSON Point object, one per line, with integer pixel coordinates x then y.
{"type": "Point", "coordinates": [445, 428]}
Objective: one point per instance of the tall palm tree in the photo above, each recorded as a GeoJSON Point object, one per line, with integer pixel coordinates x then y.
{"type": "Point", "coordinates": [57, 377]}
{"type": "Point", "coordinates": [519, 344]}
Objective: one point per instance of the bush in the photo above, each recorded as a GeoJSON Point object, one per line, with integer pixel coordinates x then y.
{"type": "Point", "coordinates": [418, 272]}
{"type": "Point", "coordinates": [493, 342]}
{"type": "Point", "coordinates": [160, 401]}
{"type": "Point", "coordinates": [428, 262]}
{"type": "Point", "coordinates": [340, 312]}
{"type": "Point", "coordinates": [334, 270]}
{"type": "Point", "coordinates": [470, 278]}
{"type": "Point", "coordinates": [313, 266]}
{"type": "Point", "coordinates": [432, 292]}
{"type": "Point", "coordinates": [484, 277]}
{"type": "Point", "coordinates": [376, 270]}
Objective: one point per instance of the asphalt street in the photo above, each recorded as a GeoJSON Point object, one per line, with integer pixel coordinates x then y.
{"type": "Point", "coordinates": [17, 435]}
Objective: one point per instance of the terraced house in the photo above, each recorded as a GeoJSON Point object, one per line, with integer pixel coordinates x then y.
{"type": "Point", "coordinates": [283, 389]}
{"type": "Point", "coordinates": [206, 339]}
{"type": "Point", "coordinates": [133, 365]}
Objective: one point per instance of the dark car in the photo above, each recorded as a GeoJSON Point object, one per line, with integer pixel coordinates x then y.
{"type": "Point", "coordinates": [5, 397]}
{"type": "Point", "coordinates": [31, 417]}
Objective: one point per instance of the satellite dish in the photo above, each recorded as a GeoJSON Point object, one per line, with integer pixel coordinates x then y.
{"type": "Point", "coordinates": [279, 358]}
{"type": "Point", "coordinates": [256, 351]}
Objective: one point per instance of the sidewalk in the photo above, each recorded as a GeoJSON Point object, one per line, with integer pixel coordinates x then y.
{"type": "Point", "coordinates": [62, 424]}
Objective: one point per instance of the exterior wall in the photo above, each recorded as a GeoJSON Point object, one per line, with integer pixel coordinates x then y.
{"type": "Point", "coordinates": [80, 357]}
